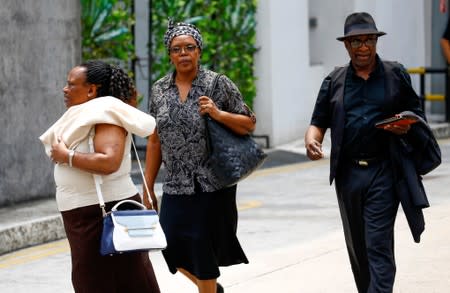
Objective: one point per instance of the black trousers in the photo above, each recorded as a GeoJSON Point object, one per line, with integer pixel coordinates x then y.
{"type": "Point", "coordinates": [368, 207]}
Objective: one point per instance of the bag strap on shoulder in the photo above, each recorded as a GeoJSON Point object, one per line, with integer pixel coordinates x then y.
{"type": "Point", "coordinates": [210, 92]}
{"type": "Point", "coordinates": [213, 85]}
{"type": "Point", "coordinates": [98, 178]}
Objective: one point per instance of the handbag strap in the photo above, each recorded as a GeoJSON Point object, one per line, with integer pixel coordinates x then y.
{"type": "Point", "coordinates": [142, 173]}
{"type": "Point", "coordinates": [98, 178]}
{"type": "Point", "coordinates": [206, 117]}
{"type": "Point", "coordinates": [213, 85]}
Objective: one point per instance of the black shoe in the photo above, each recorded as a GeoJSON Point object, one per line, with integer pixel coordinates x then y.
{"type": "Point", "coordinates": [219, 288]}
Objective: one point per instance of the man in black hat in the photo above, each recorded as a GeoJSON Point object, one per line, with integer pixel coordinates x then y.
{"type": "Point", "coordinates": [372, 167]}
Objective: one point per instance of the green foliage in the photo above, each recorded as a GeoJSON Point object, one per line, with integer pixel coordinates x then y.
{"type": "Point", "coordinates": [107, 31]}
{"type": "Point", "coordinates": [228, 28]}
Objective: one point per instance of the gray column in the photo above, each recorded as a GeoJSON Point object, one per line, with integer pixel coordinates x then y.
{"type": "Point", "coordinates": [39, 42]}
{"type": "Point", "coordinates": [141, 36]}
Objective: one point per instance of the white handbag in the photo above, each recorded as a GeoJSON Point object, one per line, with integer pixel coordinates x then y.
{"type": "Point", "coordinates": [129, 226]}
{"type": "Point", "coordinates": [131, 230]}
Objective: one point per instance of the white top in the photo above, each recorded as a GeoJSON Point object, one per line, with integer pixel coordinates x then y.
{"type": "Point", "coordinates": [76, 188]}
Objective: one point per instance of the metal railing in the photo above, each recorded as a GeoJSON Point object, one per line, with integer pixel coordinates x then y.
{"type": "Point", "coordinates": [434, 97]}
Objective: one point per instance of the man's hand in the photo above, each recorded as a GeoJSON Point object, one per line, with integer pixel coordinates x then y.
{"type": "Point", "coordinates": [313, 142]}
{"type": "Point", "coordinates": [397, 129]}
{"type": "Point", "coordinates": [314, 149]}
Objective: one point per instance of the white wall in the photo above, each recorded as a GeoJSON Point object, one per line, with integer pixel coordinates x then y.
{"type": "Point", "coordinates": [324, 47]}
{"type": "Point", "coordinates": [284, 83]}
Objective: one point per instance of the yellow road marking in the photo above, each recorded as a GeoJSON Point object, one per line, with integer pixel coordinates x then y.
{"type": "Point", "coordinates": [27, 255]}
{"type": "Point", "coordinates": [249, 205]}
{"type": "Point", "coordinates": [289, 168]}
{"type": "Point", "coordinates": [443, 140]}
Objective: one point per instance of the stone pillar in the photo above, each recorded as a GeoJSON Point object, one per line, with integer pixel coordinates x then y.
{"type": "Point", "coordinates": [141, 37]}
{"type": "Point", "coordinates": [39, 42]}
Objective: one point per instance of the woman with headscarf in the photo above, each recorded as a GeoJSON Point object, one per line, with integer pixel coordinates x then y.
{"type": "Point", "coordinates": [198, 215]}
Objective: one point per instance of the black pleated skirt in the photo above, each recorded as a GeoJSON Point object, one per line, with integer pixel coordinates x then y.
{"type": "Point", "coordinates": [201, 232]}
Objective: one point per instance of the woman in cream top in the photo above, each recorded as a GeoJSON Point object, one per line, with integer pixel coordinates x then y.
{"type": "Point", "coordinates": [98, 97]}
{"type": "Point", "coordinates": [76, 188]}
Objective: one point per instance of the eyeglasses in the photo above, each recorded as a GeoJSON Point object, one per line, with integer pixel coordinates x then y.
{"type": "Point", "coordinates": [188, 48]}
{"type": "Point", "coordinates": [357, 43]}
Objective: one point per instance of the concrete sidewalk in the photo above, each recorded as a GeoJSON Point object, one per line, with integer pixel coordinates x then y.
{"type": "Point", "coordinates": [323, 266]}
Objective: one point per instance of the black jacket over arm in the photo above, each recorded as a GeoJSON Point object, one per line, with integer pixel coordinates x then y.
{"type": "Point", "coordinates": [412, 156]}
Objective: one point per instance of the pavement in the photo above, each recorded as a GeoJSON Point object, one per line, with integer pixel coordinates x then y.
{"type": "Point", "coordinates": [422, 268]}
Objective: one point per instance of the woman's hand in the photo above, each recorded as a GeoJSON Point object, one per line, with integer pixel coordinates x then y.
{"type": "Point", "coordinates": [59, 152]}
{"type": "Point", "coordinates": [153, 160]}
{"type": "Point", "coordinates": [238, 123]}
{"type": "Point", "coordinates": [154, 204]}
{"type": "Point", "coordinates": [207, 106]}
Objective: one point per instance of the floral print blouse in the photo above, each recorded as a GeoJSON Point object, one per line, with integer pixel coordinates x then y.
{"type": "Point", "coordinates": [181, 129]}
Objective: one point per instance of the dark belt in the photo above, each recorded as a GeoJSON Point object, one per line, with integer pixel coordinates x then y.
{"type": "Point", "coordinates": [365, 162]}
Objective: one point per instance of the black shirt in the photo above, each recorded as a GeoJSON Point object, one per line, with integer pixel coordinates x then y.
{"type": "Point", "coordinates": [364, 102]}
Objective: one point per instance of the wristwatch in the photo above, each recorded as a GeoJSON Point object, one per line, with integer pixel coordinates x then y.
{"type": "Point", "coordinates": [71, 153]}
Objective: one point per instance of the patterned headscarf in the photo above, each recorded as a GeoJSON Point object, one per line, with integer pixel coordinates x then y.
{"type": "Point", "coordinates": [182, 28]}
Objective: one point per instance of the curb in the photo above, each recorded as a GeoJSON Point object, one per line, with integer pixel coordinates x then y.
{"type": "Point", "coordinates": [31, 233]}
{"type": "Point", "coordinates": [441, 130]}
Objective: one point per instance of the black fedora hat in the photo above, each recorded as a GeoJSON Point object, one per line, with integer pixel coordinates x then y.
{"type": "Point", "coordinates": [360, 23]}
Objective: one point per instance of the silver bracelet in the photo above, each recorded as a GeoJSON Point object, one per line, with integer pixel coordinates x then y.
{"type": "Point", "coordinates": [71, 154]}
